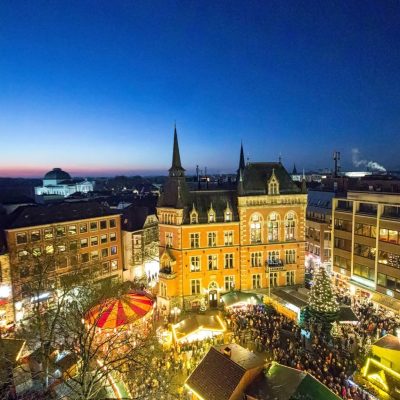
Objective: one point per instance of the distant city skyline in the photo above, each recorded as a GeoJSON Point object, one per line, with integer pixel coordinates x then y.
{"type": "Point", "coordinates": [95, 88]}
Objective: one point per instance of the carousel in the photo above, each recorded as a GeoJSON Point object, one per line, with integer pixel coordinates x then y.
{"type": "Point", "coordinates": [128, 310]}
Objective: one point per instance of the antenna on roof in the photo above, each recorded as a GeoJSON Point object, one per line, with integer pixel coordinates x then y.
{"type": "Point", "coordinates": [280, 158]}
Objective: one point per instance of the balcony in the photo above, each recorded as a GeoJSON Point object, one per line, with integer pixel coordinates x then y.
{"type": "Point", "coordinates": [167, 273]}
{"type": "Point", "coordinates": [274, 263]}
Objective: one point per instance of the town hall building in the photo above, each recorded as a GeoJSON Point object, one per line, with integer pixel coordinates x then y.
{"type": "Point", "coordinates": [249, 237]}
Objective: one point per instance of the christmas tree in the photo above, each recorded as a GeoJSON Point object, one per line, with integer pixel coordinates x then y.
{"type": "Point", "coordinates": [322, 303]}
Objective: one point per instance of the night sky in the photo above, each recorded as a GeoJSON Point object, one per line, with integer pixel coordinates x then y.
{"type": "Point", "coordinates": [94, 87]}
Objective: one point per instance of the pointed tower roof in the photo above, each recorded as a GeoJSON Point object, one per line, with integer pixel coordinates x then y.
{"type": "Point", "coordinates": [175, 193]}
{"type": "Point", "coordinates": [241, 158]}
{"type": "Point", "coordinates": [294, 169]}
{"type": "Point", "coordinates": [176, 167]}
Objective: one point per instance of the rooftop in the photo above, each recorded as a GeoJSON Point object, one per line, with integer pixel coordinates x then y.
{"type": "Point", "coordinates": [218, 374]}
{"type": "Point", "coordinates": [34, 215]}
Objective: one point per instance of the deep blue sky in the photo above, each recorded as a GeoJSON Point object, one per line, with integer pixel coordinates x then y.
{"type": "Point", "coordinates": [97, 85]}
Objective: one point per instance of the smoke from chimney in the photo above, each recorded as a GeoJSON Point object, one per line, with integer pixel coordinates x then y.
{"type": "Point", "coordinates": [371, 165]}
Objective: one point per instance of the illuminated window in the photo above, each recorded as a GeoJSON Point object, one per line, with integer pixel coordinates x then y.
{"type": "Point", "coordinates": [212, 262]}
{"type": "Point", "coordinates": [83, 228]}
{"type": "Point", "coordinates": [255, 229]}
{"type": "Point", "coordinates": [113, 237]}
{"type": "Point", "coordinates": [212, 239]}
{"type": "Point", "coordinates": [273, 227]}
{"type": "Point", "coordinates": [60, 231]}
{"type": "Point", "coordinates": [290, 256]}
{"type": "Point", "coordinates": [228, 238]}
{"type": "Point", "coordinates": [35, 236]}
{"type": "Point", "coordinates": [194, 217]}
{"type": "Point", "coordinates": [84, 243]}
{"type": "Point", "coordinates": [290, 226]}
{"type": "Point", "coordinates": [103, 239]}
{"type": "Point", "coordinates": [194, 240]}
{"type": "Point", "coordinates": [194, 264]}
{"type": "Point", "coordinates": [72, 230]}
{"type": "Point", "coordinates": [256, 259]}
{"type": "Point", "coordinates": [48, 233]}
{"type": "Point", "coordinates": [114, 265]}
{"type": "Point", "coordinates": [94, 241]}
{"type": "Point", "coordinates": [211, 216]}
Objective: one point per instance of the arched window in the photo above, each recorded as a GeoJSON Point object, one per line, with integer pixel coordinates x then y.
{"type": "Point", "coordinates": [290, 226]}
{"type": "Point", "coordinates": [273, 227]}
{"type": "Point", "coordinates": [255, 229]}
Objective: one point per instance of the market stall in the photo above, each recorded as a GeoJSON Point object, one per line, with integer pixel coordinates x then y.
{"type": "Point", "coordinates": [240, 299]}
{"type": "Point", "coordinates": [198, 327]}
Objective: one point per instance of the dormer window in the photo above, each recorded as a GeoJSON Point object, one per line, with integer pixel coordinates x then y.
{"type": "Point", "coordinates": [211, 216]}
{"type": "Point", "coordinates": [194, 217]}
{"type": "Point", "coordinates": [228, 213]}
{"type": "Point", "coordinates": [273, 184]}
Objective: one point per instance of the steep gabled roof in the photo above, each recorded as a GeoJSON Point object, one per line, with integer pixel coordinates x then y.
{"type": "Point", "coordinates": [218, 375]}
{"type": "Point", "coordinates": [257, 175]}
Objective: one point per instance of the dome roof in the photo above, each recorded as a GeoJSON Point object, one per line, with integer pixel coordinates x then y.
{"type": "Point", "coordinates": [58, 174]}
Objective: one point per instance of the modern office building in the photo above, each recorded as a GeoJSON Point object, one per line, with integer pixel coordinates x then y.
{"type": "Point", "coordinates": [366, 245]}
{"type": "Point", "coordinates": [50, 242]}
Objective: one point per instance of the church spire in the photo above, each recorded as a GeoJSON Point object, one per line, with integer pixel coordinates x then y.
{"type": "Point", "coordinates": [176, 167]}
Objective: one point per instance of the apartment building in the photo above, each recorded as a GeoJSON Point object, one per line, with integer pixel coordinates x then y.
{"type": "Point", "coordinates": [318, 229]}
{"type": "Point", "coordinates": [366, 245]}
{"type": "Point", "coordinates": [54, 241]}
{"type": "Point", "coordinates": [249, 236]}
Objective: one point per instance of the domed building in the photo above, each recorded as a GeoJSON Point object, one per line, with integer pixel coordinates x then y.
{"type": "Point", "coordinates": [59, 183]}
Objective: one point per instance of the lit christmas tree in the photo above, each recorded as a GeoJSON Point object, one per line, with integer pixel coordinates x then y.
{"type": "Point", "coordinates": [322, 303]}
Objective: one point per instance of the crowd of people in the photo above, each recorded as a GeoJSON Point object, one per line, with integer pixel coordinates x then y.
{"type": "Point", "coordinates": [331, 360]}
{"type": "Point", "coordinates": [169, 369]}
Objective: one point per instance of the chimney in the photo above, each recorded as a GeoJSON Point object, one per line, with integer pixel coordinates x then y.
{"type": "Point", "coordinates": [227, 352]}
